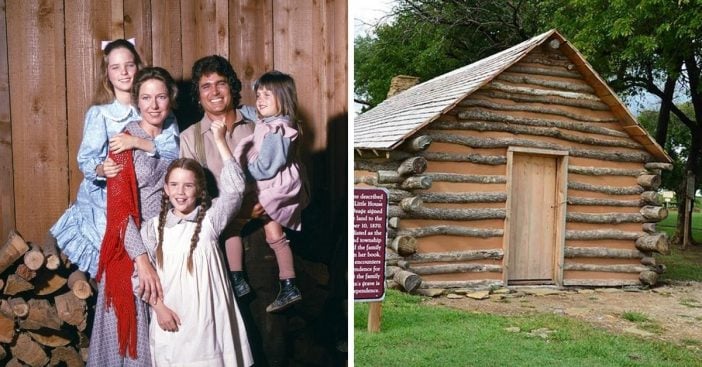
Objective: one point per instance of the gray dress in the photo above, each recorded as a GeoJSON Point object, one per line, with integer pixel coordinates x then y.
{"type": "Point", "coordinates": [104, 348]}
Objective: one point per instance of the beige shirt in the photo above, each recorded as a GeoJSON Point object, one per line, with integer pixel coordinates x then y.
{"type": "Point", "coordinates": [213, 160]}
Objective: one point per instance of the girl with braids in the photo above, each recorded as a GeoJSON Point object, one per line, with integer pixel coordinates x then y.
{"type": "Point", "coordinates": [197, 321]}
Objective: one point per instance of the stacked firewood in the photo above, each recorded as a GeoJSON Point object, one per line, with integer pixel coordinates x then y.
{"type": "Point", "coordinates": [43, 306]}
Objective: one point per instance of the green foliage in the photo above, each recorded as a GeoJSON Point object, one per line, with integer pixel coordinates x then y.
{"type": "Point", "coordinates": [397, 49]}
{"type": "Point", "coordinates": [414, 334]}
{"type": "Point", "coordinates": [429, 38]}
{"type": "Point", "coordinates": [677, 144]}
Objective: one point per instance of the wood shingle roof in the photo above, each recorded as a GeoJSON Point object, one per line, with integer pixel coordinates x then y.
{"type": "Point", "coordinates": [397, 118]}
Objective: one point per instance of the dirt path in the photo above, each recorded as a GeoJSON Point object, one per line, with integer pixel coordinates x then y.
{"type": "Point", "coordinates": [674, 311]}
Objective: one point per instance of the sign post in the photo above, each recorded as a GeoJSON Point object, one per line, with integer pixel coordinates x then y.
{"type": "Point", "coordinates": [370, 230]}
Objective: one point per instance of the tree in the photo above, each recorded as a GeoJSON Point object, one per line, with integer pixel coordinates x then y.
{"type": "Point", "coordinates": [645, 45]}
{"type": "Point", "coordinates": [429, 38]}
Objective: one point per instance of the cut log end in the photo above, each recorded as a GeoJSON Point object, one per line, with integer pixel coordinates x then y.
{"type": "Point", "coordinates": [408, 280]}
{"type": "Point", "coordinates": [648, 277]}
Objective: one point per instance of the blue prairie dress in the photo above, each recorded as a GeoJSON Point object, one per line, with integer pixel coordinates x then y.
{"type": "Point", "coordinates": [80, 229]}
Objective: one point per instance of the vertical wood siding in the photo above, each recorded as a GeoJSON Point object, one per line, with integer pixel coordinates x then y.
{"type": "Point", "coordinates": [49, 61]}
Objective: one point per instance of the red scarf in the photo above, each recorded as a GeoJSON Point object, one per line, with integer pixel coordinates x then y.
{"type": "Point", "coordinates": [122, 203]}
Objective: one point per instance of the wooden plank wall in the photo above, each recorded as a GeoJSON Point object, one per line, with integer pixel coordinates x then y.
{"type": "Point", "coordinates": [49, 58]}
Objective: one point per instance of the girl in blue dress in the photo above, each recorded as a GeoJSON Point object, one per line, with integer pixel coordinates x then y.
{"type": "Point", "coordinates": [79, 231]}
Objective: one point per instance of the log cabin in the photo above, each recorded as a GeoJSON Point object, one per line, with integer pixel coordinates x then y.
{"type": "Point", "coordinates": [523, 168]}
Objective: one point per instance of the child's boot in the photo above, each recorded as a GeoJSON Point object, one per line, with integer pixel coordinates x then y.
{"type": "Point", "coordinates": [241, 287]}
{"type": "Point", "coordinates": [288, 295]}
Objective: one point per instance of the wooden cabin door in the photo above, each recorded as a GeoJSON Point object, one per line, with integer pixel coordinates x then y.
{"type": "Point", "coordinates": [533, 219]}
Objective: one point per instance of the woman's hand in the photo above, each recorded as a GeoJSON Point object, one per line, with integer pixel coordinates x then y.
{"type": "Point", "coordinates": [149, 284]}
{"type": "Point", "coordinates": [110, 168]}
{"type": "Point", "coordinates": [121, 142]}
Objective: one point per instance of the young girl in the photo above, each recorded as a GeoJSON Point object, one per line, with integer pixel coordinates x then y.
{"type": "Point", "coordinates": [270, 155]}
{"type": "Point", "coordinates": [79, 231]}
{"type": "Point", "coordinates": [199, 323]}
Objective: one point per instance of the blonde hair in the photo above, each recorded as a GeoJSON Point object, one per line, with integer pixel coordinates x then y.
{"type": "Point", "coordinates": [194, 167]}
{"type": "Point", "coordinates": [105, 91]}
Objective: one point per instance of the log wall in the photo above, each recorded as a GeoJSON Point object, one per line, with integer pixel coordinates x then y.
{"type": "Point", "coordinates": [450, 214]}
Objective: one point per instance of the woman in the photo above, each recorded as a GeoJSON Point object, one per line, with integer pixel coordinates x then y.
{"type": "Point", "coordinates": [120, 330]}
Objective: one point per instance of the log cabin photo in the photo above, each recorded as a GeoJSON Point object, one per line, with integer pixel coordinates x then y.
{"type": "Point", "coordinates": [49, 57]}
{"type": "Point", "coordinates": [523, 168]}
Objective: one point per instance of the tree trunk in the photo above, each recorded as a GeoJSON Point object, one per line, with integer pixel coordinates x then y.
{"type": "Point", "coordinates": [66, 356]}
{"type": "Point", "coordinates": [481, 142]}
{"type": "Point", "coordinates": [447, 214]}
{"type": "Point", "coordinates": [522, 107]}
{"type": "Point", "coordinates": [600, 282]}
{"type": "Point", "coordinates": [551, 132]}
{"type": "Point", "coordinates": [654, 213]}
{"type": "Point", "coordinates": [471, 284]}
{"type": "Point", "coordinates": [589, 127]}
{"type": "Point", "coordinates": [491, 160]}
{"type": "Point", "coordinates": [416, 144]}
{"type": "Point", "coordinates": [20, 308]}
{"type": "Point", "coordinates": [625, 268]}
{"type": "Point", "coordinates": [404, 245]}
{"type": "Point", "coordinates": [78, 284]}
{"type": "Point", "coordinates": [71, 309]}
{"type": "Point", "coordinates": [605, 218]}
{"type": "Point", "coordinates": [455, 268]}
{"type": "Point", "coordinates": [650, 182]}
{"type": "Point", "coordinates": [13, 249]}
{"type": "Point", "coordinates": [412, 166]}
{"type": "Point", "coordinates": [463, 197]}
{"type": "Point", "coordinates": [34, 258]}
{"type": "Point", "coordinates": [29, 351]}
{"type": "Point", "coordinates": [467, 255]}
{"type": "Point", "coordinates": [451, 231]}
{"type": "Point", "coordinates": [649, 228]}
{"type": "Point", "coordinates": [16, 284]}
{"type": "Point", "coordinates": [611, 190]}
{"type": "Point", "coordinates": [572, 200]}
{"type": "Point", "coordinates": [648, 277]}
{"type": "Point", "coordinates": [525, 94]}
{"type": "Point", "coordinates": [599, 171]}
{"type": "Point", "coordinates": [51, 254]}
{"type": "Point", "coordinates": [654, 243]}
{"type": "Point", "coordinates": [650, 198]}
{"type": "Point", "coordinates": [7, 328]}
{"type": "Point", "coordinates": [409, 281]}
{"type": "Point", "coordinates": [602, 252]}
{"type": "Point", "coordinates": [601, 234]}
{"type": "Point", "coordinates": [25, 273]}
{"type": "Point", "coordinates": [51, 338]}
{"type": "Point", "coordinates": [41, 314]}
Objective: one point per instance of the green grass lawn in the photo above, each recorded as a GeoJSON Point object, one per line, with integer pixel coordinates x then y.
{"type": "Point", "coordinates": [416, 334]}
{"type": "Point", "coordinates": [682, 265]}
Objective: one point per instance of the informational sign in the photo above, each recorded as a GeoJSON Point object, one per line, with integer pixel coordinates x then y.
{"type": "Point", "coordinates": [369, 232]}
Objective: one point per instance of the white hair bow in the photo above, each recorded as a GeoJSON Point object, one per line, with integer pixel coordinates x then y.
{"type": "Point", "coordinates": [104, 44]}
